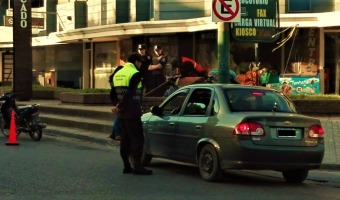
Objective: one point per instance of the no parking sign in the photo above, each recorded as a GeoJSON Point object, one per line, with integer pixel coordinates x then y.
{"type": "Point", "coordinates": [226, 11]}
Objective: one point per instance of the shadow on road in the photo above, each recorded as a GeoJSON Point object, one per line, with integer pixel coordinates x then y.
{"type": "Point", "coordinates": [243, 177]}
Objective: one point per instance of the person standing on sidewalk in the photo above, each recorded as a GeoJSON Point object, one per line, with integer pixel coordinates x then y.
{"type": "Point", "coordinates": [146, 74]}
{"type": "Point", "coordinates": [158, 66]}
{"type": "Point", "coordinates": [126, 94]}
{"type": "Point", "coordinates": [115, 133]}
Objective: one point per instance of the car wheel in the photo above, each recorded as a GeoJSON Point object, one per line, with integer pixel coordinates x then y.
{"type": "Point", "coordinates": [209, 164]}
{"type": "Point", "coordinates": [295, 176]}
{"type": "Point", "coordinates": [146, 158]}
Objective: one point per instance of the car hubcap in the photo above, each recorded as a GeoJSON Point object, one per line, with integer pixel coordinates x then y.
{"type": "Point", "coordinates": [207, 162]}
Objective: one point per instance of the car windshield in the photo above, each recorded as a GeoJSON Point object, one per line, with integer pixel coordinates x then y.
{"type": "Point", "coordinates": [248, 99]}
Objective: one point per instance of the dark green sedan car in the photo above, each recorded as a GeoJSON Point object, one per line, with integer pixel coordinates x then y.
{"type": "Point", "coordinates": [225, 126]}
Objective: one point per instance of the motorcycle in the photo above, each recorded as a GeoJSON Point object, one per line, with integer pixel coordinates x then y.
{"type": "Point", "coordinates": [26, 117]}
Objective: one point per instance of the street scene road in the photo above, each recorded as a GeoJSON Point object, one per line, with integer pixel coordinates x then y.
{"type": "Point", "coordinates": [64, 168]}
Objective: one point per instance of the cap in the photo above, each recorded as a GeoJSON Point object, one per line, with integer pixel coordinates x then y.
{"type": "Point", "coordinates": [141, 46]}
{"type": "Point", "coordinates": [157, 47]}
{"type": "Point", "coordinates": [134, 56]}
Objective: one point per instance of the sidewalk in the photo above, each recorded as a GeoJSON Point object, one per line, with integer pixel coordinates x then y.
{"type": "Point", "coordinates": [331, 125]}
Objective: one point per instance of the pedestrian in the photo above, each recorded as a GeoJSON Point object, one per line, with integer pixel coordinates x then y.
{"type": "Point", "coordinates": [264, 78]}
{"type": "Point", "coordinates": [158, 66]}
{"type": "Point", "coordinates": [126, 93]}
{"type": "Point", "coordinates": [115, 133]}
{"type": "Point", "coordinates": [146, 62]}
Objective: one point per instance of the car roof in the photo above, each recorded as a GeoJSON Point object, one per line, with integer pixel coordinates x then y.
{"type": "Point", "coordinates": [228, 86]}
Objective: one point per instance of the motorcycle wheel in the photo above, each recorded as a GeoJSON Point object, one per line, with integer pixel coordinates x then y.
{"type": "Point", "coordinates": [3, 130]}
{"type": "Point", "coordinates": [35, 130]}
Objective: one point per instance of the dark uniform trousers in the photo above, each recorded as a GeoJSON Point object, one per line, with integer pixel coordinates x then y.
{"type": "Point", "coordinates": [132, 131]}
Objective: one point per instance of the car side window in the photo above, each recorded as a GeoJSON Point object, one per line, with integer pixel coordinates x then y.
{"type": "Point", "coordinates": [174, 105]}
{"type": "Point", "coordinates": [198, 102]}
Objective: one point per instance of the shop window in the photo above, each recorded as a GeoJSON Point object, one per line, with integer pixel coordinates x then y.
{"type": "Point", "coordinates": [299, 6]}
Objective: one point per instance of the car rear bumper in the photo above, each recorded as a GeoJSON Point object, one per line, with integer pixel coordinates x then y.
{"type": "Point", "coordinates": [246, 155]}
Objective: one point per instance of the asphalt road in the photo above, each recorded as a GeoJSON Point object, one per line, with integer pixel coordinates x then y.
{"type": "Point", "coordinates": [61, 168]}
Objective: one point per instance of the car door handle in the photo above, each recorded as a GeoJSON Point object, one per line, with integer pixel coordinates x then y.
{"type": "Point", "coordinates": [171, 124]}
{"type": "Point", "coordinates": [198, 127]}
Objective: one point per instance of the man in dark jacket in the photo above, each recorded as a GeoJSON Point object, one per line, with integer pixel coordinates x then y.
{"type": "Point", "coordinates": [146, 74]}
{"type": "Point", "coordinates": [126, 94]}
{"type": "Point", "coordinates": [158, 66]}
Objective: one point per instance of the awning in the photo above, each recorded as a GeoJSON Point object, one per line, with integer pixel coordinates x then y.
{"type": "Point", "coordinates": [126, 30]}
{"type": "Point", "coordinates": [6, 39]}
{"type": "Point", "coordinates": [325, 19]}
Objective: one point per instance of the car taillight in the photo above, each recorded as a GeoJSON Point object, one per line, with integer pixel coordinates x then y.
{"type": "Point", "coordinates": [249, 128]}
{"type": "Point", "coordinates": [316, 131]}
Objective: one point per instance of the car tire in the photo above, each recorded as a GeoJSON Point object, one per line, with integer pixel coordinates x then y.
{"type": "Point", "coordinates": [295, 176]}
{"type": "Point", "coordinates": [146, 158]}
{"type": "Point", "coordinates": [209, 164]}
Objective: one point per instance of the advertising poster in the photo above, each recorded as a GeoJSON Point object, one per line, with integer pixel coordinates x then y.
{"type": "Point", "coordinates": [298, 85]}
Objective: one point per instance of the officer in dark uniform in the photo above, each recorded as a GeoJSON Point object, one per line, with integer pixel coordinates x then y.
{"type": "Point", "coordinates": [126, 94]}
{"type": "Point", "coordinates": [157, 67]}
{"type": "Point", "coordinates": [146, 62]}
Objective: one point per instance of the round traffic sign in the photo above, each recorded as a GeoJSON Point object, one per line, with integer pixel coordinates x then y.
{"type": "Point", "coordinates": [224, 11]}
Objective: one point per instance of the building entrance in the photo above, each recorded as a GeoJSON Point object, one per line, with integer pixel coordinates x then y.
{"type": "Point", "coordinates": [332, 63]}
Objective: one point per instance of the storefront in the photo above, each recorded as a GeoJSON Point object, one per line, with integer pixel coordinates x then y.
{"type": "Point", "coordinates": [308, 61]}
{"type": "Point", "coordinates": [300, 72]}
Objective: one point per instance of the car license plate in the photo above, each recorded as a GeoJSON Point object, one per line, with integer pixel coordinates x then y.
{"type": "Point", "coordinates": [286, 132]}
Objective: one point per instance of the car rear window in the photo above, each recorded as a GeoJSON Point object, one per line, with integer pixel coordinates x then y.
{"type": "Point", "coordinates": [240, 100]}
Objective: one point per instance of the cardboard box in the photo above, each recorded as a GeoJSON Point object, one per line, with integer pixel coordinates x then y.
{"type": "Point", "coordinates": [308, 70]}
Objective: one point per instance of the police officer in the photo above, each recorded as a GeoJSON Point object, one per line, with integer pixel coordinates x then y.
{"type": "Point", "coordinates": [157, 67]}
{"type": "Point", "coordinates": [146, 74]}
{"type": "Point", "coordinates": [126, 94]}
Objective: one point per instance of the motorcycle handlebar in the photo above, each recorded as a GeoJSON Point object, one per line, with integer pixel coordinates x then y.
{"type": "Point", "coordinates": [9, 95]}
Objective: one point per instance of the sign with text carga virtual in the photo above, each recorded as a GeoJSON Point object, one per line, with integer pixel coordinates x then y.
{"type": "Point", "coordinates": [22, 43]}
{"type": "Point", "coordinates": [259, 21]}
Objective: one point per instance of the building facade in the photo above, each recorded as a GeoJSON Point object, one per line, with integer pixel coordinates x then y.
{"type": "Point", "coordinates": [78, 44]}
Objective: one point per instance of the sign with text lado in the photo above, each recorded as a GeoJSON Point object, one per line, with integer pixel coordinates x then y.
{"type": "Point", "coordinates": [259, 21]}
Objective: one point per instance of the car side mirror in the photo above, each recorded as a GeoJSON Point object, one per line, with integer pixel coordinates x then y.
{"type": "Point", "coordinates": [156, 110]}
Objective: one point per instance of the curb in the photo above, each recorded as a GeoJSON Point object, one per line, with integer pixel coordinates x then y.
{"type": "Point", "coordinates": [79, 134]}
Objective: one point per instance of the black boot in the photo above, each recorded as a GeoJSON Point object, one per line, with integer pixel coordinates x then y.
{"type": "Point", "coordinates": [127, 166]}
{"type": "Point", "coordinates": [138, 168]}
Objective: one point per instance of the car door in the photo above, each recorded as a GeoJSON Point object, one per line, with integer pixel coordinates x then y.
{"type": "Point", "coordinates": [192, 123]}
{"type": "Point", "coordinates": [162, 128]}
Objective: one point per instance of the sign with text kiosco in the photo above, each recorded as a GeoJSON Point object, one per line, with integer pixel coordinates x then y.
{"type": "Point", "coordinates": [259, 21]}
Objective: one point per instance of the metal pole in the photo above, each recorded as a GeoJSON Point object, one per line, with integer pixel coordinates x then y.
{"type": "Point", "coordinates": [223, 51]}
{"type": "Point", "coordinates": [257, 63]}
